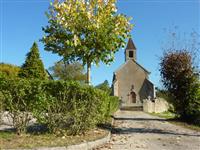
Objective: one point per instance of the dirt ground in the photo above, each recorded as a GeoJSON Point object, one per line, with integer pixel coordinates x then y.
{"type": "Point", "coordinates": [140, 131]}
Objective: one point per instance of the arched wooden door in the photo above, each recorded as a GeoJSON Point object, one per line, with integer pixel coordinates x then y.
{"type": "Point", "coordinates": [133, 97]}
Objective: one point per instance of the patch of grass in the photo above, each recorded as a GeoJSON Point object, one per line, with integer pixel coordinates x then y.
{"type": "Point", "coordinates": [179, 122]}
{"type": "Point", "coordinates": [166, 115]}
{"type": "Point", "coordinates": [172, 118]}
{"type": "Point", "coordinates": [9, 140]}
{"type": "Point", "coordinates": [6, 134]}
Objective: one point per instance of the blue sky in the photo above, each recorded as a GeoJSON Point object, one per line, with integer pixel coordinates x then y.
{"type": "Point", "coordinates": [21, 24]}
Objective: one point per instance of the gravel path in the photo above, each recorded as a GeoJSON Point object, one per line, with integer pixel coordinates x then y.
{"type": "Point", "coordinates": [140, 131]}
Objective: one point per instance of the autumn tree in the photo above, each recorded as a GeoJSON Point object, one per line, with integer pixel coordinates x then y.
{"type": "Point", "coordinates": [68, 71]}
{"type": "Point", "coordinates": [180, 77]}
{"type": "Point", "coordinates": [85, 30]}
{"type": "Point", "coordinates": [33, 66]}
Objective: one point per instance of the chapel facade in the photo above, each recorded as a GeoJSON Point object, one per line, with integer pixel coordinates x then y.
{"type": "Point", "coordinates": [131, 81]}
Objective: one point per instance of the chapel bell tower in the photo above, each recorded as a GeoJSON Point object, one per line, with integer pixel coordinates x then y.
{"type": "Point", "coordinates": [130, 51]}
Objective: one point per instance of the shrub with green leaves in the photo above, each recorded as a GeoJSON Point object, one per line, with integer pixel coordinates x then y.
{"type": "Point", "coordinates": [193, 108]}
{"type": "Point", "coordinates": [17, 99]}
{"type": "Point", "coordinates": [71, 106]}
{"type": "Point", "coordinates": [114, 104]}
{"type": "Point", "coordinates": [1, 107]}
{"type": "Point", "coordinates": [9, 70]}
{"type": "Point", "coordinates": [59, 105]}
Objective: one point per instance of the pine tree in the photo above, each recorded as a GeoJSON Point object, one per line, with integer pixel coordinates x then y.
{"type": "Point", "coordinates": [33, 67]}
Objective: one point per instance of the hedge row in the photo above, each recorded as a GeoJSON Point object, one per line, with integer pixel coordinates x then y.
{"type": "Point", "coordinates": [59, 105]}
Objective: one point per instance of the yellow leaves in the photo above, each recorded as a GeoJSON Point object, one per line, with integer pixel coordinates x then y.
{"type": "Point", "coordinates": [89, 14]}
{"type": "Point", "coordinates": [100, 2]}
{"type": "Point", "coordinates": [68, 42]}
{"type": "Point", "coordinates": [66, 24]}
{"type": "Point", "coordinates": [76, 40]}
{"type": "Point", "coordinates": [91, 25]}
{"type": "Point", "coordinates": [114, 8]}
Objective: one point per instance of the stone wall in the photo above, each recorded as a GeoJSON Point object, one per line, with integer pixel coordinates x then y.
{"type": "Point", "coordinates": [115, 88]}
{"type": "Point", "coordinates": [158, 106]}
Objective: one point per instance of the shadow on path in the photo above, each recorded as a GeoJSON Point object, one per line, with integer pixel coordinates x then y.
{"type": "Point", "coordinates": [140, 119]}
{"type": "Point", "coordinates": [147, 130]}
{"type": "Point", "coordinates": [118, 130]}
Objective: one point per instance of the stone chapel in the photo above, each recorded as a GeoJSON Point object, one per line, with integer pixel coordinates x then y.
{"type": "Point", "coordinates": [131, 81]}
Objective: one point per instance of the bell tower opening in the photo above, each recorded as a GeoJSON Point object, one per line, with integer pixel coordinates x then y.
{"type": "Point", "coordinates": [130, 54]}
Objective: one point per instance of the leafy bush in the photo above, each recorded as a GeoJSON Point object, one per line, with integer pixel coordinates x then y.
{"type": "Point", "coordinates": [1, 107]}
{"type": "Point", "coordinates": [193, 108]}
{"type": "Point", "coordinates": [18, 101]}
{"type": "Point", "coordinates": [75, 107]}
{"type": "Point", "coordinates": [9, 70]}
{"type": "Point", "coordinates": [61, 106]}
{"type": "Point", "coordinates": [114, 104]}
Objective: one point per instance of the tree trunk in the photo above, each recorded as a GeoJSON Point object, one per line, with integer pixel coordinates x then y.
{"type": "Point", "coordinates": [88, 73]}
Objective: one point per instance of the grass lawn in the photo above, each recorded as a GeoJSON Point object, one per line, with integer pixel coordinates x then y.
{"type": "Point", "coordinates": [10, 140]}
{"type": "Point", "coordinates": [166, 115]}
{"type": "Point", "coordinates": [171, 117]}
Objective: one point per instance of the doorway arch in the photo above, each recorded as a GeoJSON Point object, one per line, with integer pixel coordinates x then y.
{"type": "Point", "coordinates": [133, 97]}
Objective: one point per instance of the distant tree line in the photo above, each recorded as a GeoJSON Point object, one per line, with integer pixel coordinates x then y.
{"type": "Point", "coordinates": [33, 68]}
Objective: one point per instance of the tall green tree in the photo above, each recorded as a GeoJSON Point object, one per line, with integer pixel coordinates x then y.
{"type": "Point", "coordinates": [65, 71]}
{"type": "Point", "coordinates": [86, 30]}
{"type": "Point", "coordinates": [105, 87]}
{"type": "Point", "coordinates": [33, 66]}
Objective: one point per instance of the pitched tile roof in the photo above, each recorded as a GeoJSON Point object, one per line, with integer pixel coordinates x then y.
{"type": "Point", "coordinates": [134, 62]}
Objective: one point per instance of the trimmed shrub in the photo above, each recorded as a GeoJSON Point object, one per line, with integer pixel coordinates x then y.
{"type": "Point", "coordinates": [114, 104]}
{"type": "Point", "coordinates": [61, 106]}
{"type": "Point", "coordinates": [18, 99]}
{"type": "Point", "coordinates": [71, 106]}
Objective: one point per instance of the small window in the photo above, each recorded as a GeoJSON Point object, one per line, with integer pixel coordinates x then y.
{"type": "Point", "coordinates": [131, 54]}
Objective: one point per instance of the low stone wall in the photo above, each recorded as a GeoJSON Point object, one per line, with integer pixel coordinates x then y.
{"type": "Point", "coordinates": [158, 106]}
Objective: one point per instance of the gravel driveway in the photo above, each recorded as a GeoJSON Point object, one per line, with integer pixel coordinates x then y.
{"type": "Point", "coordinates": [140, 131]}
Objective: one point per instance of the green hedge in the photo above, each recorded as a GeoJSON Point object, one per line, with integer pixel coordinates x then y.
{"type": "Point", "coordinates": [61, 106]}
{"type": "Point", "coordinates": [18, 98]}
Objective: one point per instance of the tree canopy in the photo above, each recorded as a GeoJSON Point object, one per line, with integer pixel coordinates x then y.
{"type": "Point", "coordinates": [181, 81]}
{"type": "Point", "coordinates": [33, 66]}
{"type": "Point", "coordinates": [180, 77]}
{"type": "Point", "coordinates": [65, 71]}
{"type": "Point", "coordinates": [85, 30]}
